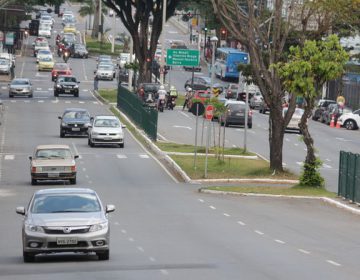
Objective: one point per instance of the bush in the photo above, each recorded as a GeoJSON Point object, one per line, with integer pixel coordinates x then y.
{"type": "Point", "coordinates": [311, 176]}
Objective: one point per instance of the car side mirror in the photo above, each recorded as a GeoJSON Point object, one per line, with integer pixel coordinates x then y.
{"type": "Point", "coordinates": [30, 157]}
{"type": "Point", "coordinates": [94, 71]}
{"type": "Point", "coordinates": [110, 208]}
{"type": "Point", "coordinates": [78, 82]}
{"type": "Point", "coordinates": [76, 156]}
{"type": "Point", "coordinates": [60, 118]}
{"type": "Point", "coordinates": [123, 126]}
{"type": "Point", "coordinates": [20, 210]}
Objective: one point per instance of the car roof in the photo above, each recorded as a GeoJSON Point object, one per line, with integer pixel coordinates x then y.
{"type": "Point", "coordinates": [65, 190]}
{"type": "Point", "coordinates": [75, 110]}
{"type": "Point", "coordinates": [61, 65]}
{"type": "Point", "coordinates": [21, 79]}
{"type": "Point", "coordinates": [230, 101]}
{"type": "Point", "coordinates": [105, 117]}
{"type": "Point", "coordinates": [52, 146]}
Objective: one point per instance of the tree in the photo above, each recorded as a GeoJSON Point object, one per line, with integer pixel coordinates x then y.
{"type": "Point", "coordinates": [305, 73]}
{"type": "Point", "coordinates": [135, 16]}
{"type": "Point", "coordinates": [264, 31]}
{"type": "Point", "coordinates": [87, 9]}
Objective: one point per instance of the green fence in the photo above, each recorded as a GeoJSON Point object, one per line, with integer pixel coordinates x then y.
{"type": "Point", "coordinates": [144, 116]}
{"type": "Point", "coordinates": [349, 176]}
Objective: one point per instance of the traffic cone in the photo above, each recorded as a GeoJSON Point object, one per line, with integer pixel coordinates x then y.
{"type": "Point", "coordinates": [332, 122]}
{"type": "Point", "coordinates": [337, 124]}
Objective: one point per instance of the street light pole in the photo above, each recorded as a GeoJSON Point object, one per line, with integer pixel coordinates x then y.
{"type": "Point", "coordinates": [162, 61]}
{"type": "Point", "coordinates": [213, 41]}
{"type": "Point", "coordinates": [114, 34]}
{"type": "Point", "coordinates": [100, 23]}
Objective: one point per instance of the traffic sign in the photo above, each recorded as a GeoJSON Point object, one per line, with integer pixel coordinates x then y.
{"type": "Point", "coordinates": [182, 57]}
{"type": "Point", "coordinates": [209, 112]}
{"type": "Point", "coordinates": [197, 108]}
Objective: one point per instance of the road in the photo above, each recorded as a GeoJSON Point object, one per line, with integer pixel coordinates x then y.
{"type": "Point", "coordinates": [161, 229]}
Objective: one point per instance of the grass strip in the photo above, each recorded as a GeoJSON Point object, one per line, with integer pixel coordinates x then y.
{"type": "Point", "coordinates": [94, 46]}
{"type": "Point", "coordinates": [277, 190]}
{"type": "Point", "coordinates": [109, 94]}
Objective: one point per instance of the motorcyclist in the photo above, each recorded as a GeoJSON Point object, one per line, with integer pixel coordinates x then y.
{"type": "Point", "coordinates": [58, 38]}
{"type": "Point", "coordinates": [188, 96]}
{"type": "Point", "coordinates": [66, 55]}
{"type": "Point", "coordinates": [173, 94]}
{"type": "Point", "coordinates": [161, 95]}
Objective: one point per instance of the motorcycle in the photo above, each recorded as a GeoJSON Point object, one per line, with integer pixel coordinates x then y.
{"type": "Point", "coordinates": [161, 105]}
{"type": "Point", "coordinates": [66, 56]}
{"type": "Point", "coordinates": [171, 102]}
{"type": "Point", "coordinates": [59, 52]}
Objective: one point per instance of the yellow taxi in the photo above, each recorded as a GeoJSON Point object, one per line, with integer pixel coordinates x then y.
{"type": "Point", "coordinates": [46, 63]}
{"type": "Point", "coordinates": [70, 28]}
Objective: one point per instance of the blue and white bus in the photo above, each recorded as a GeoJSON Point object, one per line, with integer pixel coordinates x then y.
{"type": "Point", "coordinates": [227, 60]}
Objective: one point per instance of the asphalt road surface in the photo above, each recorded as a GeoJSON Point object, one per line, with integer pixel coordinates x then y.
{"type": "Point", "coordinates": [161, 229]}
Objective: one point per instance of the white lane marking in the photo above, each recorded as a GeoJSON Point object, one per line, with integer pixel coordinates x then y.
{"type": "Point", "coordinates": [81, 102]}
{"type": "Point", "coordinates": [121, 156]}
{"type": "Point", "coordinates": [234, 146]}
{"type": "Point", "coordinates": [68, 102]}
{"type": "Point", "coordinates": [38, 88]}
{"type": "Point", "coordinates": [13, 101]}
{"type": "Point", "coordinates": [162, 137]}
{"type": "Point", "coordinates": [4, 87]}
{"type": "Point", "coordinates": [9, 157]}
{"type": "Point", "coordinates": [287, 139]}
{"type": "Point", "coordinates": [27, 101]}
{"type": "Point", "coordinates": [259, 232]}
{"type": "Point", "coordinates": [299, 163]}
{"type": "Point", "coordinates": [241, 223]}
{"type": "Point", "coordinates": [95, 102]}
{"type": "Point", "coordinates": [141, 249]}
{"type": "Point", "coordinates": [123, 231]}
{"type": "Point", "coordinates": [56, 100]}
{"type": "Point", "coordinates": [284, 164]}
{"type": "Point", "coordinates": [182, 113]}
{"type": "Point", "coordinates": [201, 200]}
{"type": "Point", "coordinates": [143, 156]}
{"type": "Point", "coordinates": [84, 71]}
{"type": "Point", "coordinates": [226, 214]}
{"type": "Point", "coordinates": [279, 241]}
{"type": "Point", "coordinates": [180, 126]}
{"type": "Point", "coordinates": [85, 90]}
{"type": "Point", "coordinates": [212, 207]}
{"type": "Point", "coordinates": [40, 101]}
{"type": "Point", "coordinates": [304, 251]}
{"type": "Point", "coordinates": [164, 271]}
{"type": "Point", "coordinates": [329, 160]}
{"type": "Point", "coordinates": [326, 166]}
{"type": "Point", "coordinates": [84, 169]}
{"type": "Point", "coordinates": [296, 144]}
{"type": "Point", "coordinates": [152, 259]}
{"type": "Point", "coordinates": [50, 88]}
{"type": "Point", "coordinates": [87, 176]}
{"type": "Point", "coordinates": [131, 239]}
{"type": "Point", "coordinates": [117, 223]}
{"type": "Point", "coordinates": [172, 32]}
{"type": "Point", "coordinates": [333, 263]}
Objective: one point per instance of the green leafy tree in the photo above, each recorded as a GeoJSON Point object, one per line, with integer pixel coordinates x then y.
{"type": "Point", "coordinates": [87, 9]}
{"type": "Point", "coordinates": [304, 74]}
{"type": "Point", "coordinates": [135, 16]}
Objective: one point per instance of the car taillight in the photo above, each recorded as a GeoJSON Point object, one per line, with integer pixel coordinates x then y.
{"type": "Point", "coordinates": [73, 168]}
{"type": "Point", "coordinates": [33, 169]}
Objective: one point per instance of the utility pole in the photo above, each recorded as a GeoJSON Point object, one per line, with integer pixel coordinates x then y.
{"type": "Point", "coordinates": [162, 61]}
{"type": "Point", "coordinates": [100, 23]}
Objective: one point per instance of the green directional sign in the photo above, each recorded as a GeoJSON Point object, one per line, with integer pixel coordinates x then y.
{"type": "Point", "coordinates": [182, 57]}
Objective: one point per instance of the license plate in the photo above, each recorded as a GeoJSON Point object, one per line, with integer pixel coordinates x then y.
{"type": "Point", "coordinates": [67, 90]}
{"type": "Point", "coordinates": [240, 114]}
{"type": "Point", "coordinates": [107, 138]}
{"type": "Point", "coordinates": [53, 175]}
{"type": "Point", "coordinates": [75, 129]}
{"type": "Point", "coordinates": [66, 241]}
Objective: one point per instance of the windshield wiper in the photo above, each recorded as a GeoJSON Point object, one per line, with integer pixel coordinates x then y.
{"type": "Point", "coordinates": [68, 211]}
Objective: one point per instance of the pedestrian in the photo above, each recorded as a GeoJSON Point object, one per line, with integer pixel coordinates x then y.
{"type": "Point", "coordinates": [96, 83]}
{"type": "Point", "coordinates": [187, 97]}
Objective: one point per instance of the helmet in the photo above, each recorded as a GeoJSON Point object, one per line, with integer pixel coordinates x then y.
{"type": "Point", "coordinates": [161, 87]}
{"type": "Point", "coordinates": [172, 88]}
{"type": "Point", "coordinates": [189, 89]}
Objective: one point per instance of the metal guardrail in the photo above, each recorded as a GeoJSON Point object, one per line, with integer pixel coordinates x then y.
{"type": "Point", "coordinates": [349, 176]}
{"type": "Point", "coordinates": [144, 116]}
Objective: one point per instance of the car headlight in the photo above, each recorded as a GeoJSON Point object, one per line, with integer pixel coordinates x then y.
{"type": "Point", "coordinates": [58, 86]}
{"type": "Point", "coordinates": [63, 124]}
{"type": "Point", "coordinates": [98, 227]}
{"type": "Point", "coordinates": [76, 86]}
{"type": "Point", "coordinates": [33, 228]}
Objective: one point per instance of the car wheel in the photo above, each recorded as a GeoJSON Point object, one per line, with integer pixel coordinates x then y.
{"type": "Point", "coordinates": [350, 125]}
{"type": "Point", "coordinates": [56, 94]}
{"type": "Point", "coordinates": [226, 124]}
{"type": "Point", "coordinates": [121, 145]}
{"type": "Point", "coordinates": [33, 182]}
{"type": "Point", "coordinates": [73, 181]}
{"type": "Point", "coordinates": [90, 143]}
{"type": "Point", "coordinates": [62, 134]}
{"type": "Point", "coordinates": [11, 96]}
{"type": "Point", "coordinates": [28, 257]}
{"type": "Point", "coordinates": [250, 125]}
{"type": "Point", "coordinates": [76, 94]}
{"type": "Point", "coordinates": [103, 256]}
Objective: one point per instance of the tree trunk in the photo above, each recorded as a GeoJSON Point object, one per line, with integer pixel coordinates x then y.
{"type": "Point", "coordinates": [276, 137]}
{"type": "Point", "coordinates": [308, 140]}
{"type": "Point", "coordinates": [95, 30]}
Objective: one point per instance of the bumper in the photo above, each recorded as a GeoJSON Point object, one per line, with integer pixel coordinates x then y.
{"type": "Point", "coordinates": [47, 243]}
{"type": "Point", "coordinates": [237, 120]}
{"type": "Point", "coordinates": [67, 91]}
{"type": "Point", "coordinates": [107, 140]}
{"type": "Point", "coordinates": [53, 176]}
{"type": "Point", "coordinates": [45, 68]}
{"type": "Point", "coordinates": [75, 130]}
{"type": "Point", "coordinates": [105, 77]}
{"type": "Point", "coordinates": [20, 93]}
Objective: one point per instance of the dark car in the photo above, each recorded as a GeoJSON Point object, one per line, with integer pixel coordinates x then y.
{"type": "Point", "coordinates": [190, 68]}
{"type": "Point", "coordinates": [66, 85]}
{"type": "Point", "coordinates": [334, 111]}
{"type": "Point", "coordinates": [148, 90]}
{"type": "Point", "coordinates": [200, 83]}
{"type": "Point", "coordinates": [235, 114]}
{"type": "Point", "coordinates": [320, 107]}
{"type": "Point", "coordinates": [123, 75]}
{"type": "Point", "coordinates": [74, 121]}
{"type": "Point", "coordinates": [79, 50]}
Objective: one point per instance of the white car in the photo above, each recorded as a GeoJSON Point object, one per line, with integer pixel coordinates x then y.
{"type": "Point", "coordinates": [43, 54]}
{"type": "Point", "coordinates": [45, 31]}
{"type": "Point", "coordinates": [46, 19]}
{"type": "Point", "coordinates": [295, 119]}
{"type": "Point", "coordinates": [10, 57]}
{"type": "Point", "coordinates": [350, 120]}
{"type": "Point", "coordinates": [105, 72]}
{"type": "Point", "coordinates": [106, 129]}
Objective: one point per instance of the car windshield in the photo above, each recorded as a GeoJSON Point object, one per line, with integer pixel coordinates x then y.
{"type": "Point", "coordinates": [107, 123]}
{"type": "Point", "coordinates": [67, 79]}
{"type": "Point", "coordinates": [44, 52]}
{"type": "Point", "coordinates": [3, 62]}
{"type": "Point", "coordinates": [41, 44]}
{"type": "Point", "coordinates": [106, 67]}
{"type": "Point", "coordinates": [45, 58]}
{"type": "Point", "coordinates": [61, 66]}
{"type": "Point", "coordinates": [76, 115]}
{"type": "Point", "coordinates": [65, 203]}
{"type": "Point", "coordinates": [19, 82]}
{"type": "Point", "coordinates": [53, 153]}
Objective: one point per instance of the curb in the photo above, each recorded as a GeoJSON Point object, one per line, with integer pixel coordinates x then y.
{"type": "Point", "coordinates": [202, 154]}
{"type": "Point", "coordinates": [248, 180]}
{"type": "Point", "coordinates": [324, 199]}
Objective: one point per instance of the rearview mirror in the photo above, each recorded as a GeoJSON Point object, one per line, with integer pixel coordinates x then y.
{"type": "Point", "coordinates": [30, 157]}
{"type": "Point", "coordinates": [76, 156]}
{"type": "Point", "coordinates": [110, 208]}
{"type": "Point", "coordinates": [123, 126]}
{"type": "Point", "coordinates": [20, 210]}
{"type": "Point", "coordinates": [60, 118]}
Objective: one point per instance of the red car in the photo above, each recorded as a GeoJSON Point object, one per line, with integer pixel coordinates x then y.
{"type": "Point", "coordinates": [60, 69]}
{"type": "Point", "coordinates": [199, 95]}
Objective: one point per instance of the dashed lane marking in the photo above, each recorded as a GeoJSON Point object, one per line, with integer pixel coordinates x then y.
{"type": "Point", "coordinates": [81, 102]}
{"type": "Point", "coordinates": [143, 156]}
{"type": "Point", "coordinates": [304, 251]}
{"type": "Point", "coordinates": [226, 214]}
{"type": "Point", "coordinates": [152, 259]}
{"type": "Point", "coordinates": [141, 249]}
{"type": "Point", "coordinates": [9, 157]}
{"type": "Point", "coordinates": [258, 232]}
{"type": "Point", "coordinates": [67, 102]}
{"type": "Point", "coordinates": [40, 101]}
{"type": "Point", "coordinates": [279, 241]}
{"type": "Point", "coordinates": [121, 156]}
{"type": "Point", "coordinates": [131, 239]}
{"type": "Point", "coordinates": [212, 207]}
{"type": "Point", "coordinates": [201, 200]}
{"type": "Point", "coordinates": [241, 223]}
{"type": "Point", "coordinates": [164, 271]}
{"type": "Point", "coordinates": [333, 263]}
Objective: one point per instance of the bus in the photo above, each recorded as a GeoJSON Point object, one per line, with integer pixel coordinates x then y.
{"type": "Point", "coordinates": [227, 60]}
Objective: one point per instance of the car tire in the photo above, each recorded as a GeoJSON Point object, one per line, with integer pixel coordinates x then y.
{"type": "Point", "coordinates": [226, 124]}
{"type": "Point", "coordinates": [103, 256]}
{"type": "Point", "coordinates": [90, 143]}
{"type": "Point", "coordinates": [350, 125]}
{"type": "Point", "coordinates": [62, 134]}
{"type": "Point", "coordinates": [76, 95]}
{"type": "Point", "coordinates": [122, 145]}
{"type": "Point", "coordinates": [250, 125]}
{"type": "Point", "coordinates": [73, 181]}
{"type": "Point", "coordinates": [33, 182]}
{"type": "Point", "coordinates": [28, 257]}
{"type": "Point", "coordinates": [11, 96]}
{"type": "Point", "coordinates": [30, 96]}
{"type": "Point", "coordinates": [56, 94]}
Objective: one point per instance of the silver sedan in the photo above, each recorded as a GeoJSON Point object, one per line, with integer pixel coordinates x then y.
{"type": "Point", "coordinates": [20, 87]}
{"type": "Point", "coordinates": [65, 220]}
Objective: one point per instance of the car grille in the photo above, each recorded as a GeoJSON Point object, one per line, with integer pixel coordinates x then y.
{"type": "Point", "coordinates": [70, 87]}
{"type": "Point", "coordinates": [81, 244]}
{"type": "Point", "coordinates": [107, 134]}
{"type": "Point", "coordinates": [75, 124]}
{"type": "Point", "coordinates": [56, 168]}
{"type": "Point", "coordinates": [60, 230]}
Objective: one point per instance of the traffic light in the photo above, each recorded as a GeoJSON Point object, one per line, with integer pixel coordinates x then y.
{"type": "Point", "coordinates": [223, 33]}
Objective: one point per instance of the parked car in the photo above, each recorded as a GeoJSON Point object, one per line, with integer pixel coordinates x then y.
{"type": "Point", "coordinates": [79, 50]}
{"type": "Point", "coordinates": [334, 110]}
{"type": "Point", "coordinates": [105, 72]}
{"type": "Point", "coordinates": [46, 63]}
{"type": "Point", "coordinates": [235, 114]}
{"type": "Point", "coordinates": [350, 121]}
{"type": "Point", "coordinates": [106, 130]}
{"type": "Point", "coordinates": [60, 69]}
{"type": "Point", "coordinates": [295, 119]}
{"type": "Point", "coordinates": [61, 220]}
{"type": "Point", "coordinates": [74, 121]}
{"type": "Point", "coordinates": [53, 162]}
{"type": "Point", "coordinates": [200, 83]}
{"type": "Point", "coordinates": [20, 87]}
{"type": "Point", "coordinates": [66, 85]}
{"type": "Point", "coordinates": [10, 57]}
{"type": "Point", "coordinates": [320, 107]}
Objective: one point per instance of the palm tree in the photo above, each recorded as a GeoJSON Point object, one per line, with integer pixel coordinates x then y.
{"type": "Point", "coordinates": [87, 9]}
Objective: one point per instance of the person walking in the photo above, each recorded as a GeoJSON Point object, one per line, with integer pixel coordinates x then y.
{"type": "Point", "coordinates": [187, 97]}
{"type": "Point", "coordinates": [96, 83]}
